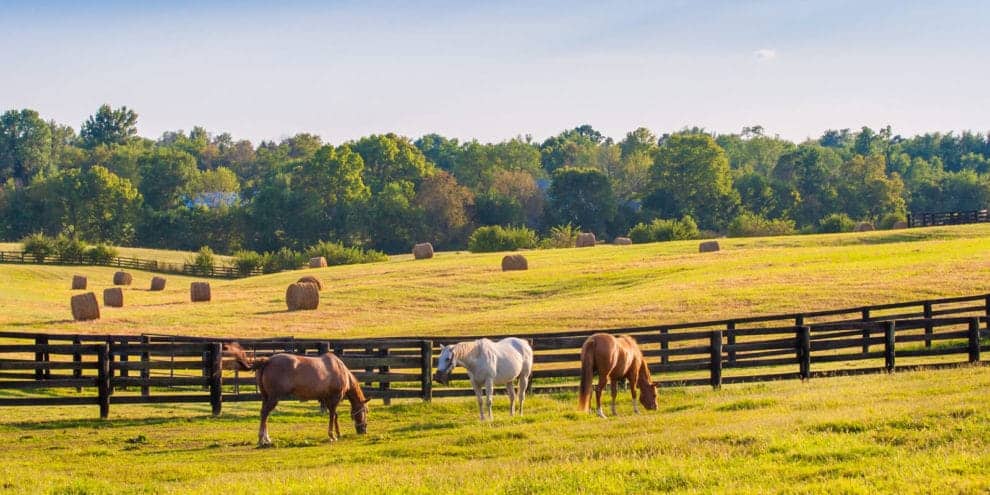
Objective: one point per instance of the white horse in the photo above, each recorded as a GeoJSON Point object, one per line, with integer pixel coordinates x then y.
{"type": "Point", "coordinates": [488, 364]}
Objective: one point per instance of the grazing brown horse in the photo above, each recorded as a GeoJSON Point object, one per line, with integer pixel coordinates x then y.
{"type": "Point", "coordinates": [324, 378]}
{"type": "Point", "coordinates": [614, 358]}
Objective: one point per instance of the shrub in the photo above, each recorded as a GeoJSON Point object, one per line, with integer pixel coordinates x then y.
{"type": "Point", "coordinates": [661, 229]}
{"type": "Point", "coordinates": [247, 261]}
{"type": "Point", "coordinates": [337, 254]}
{"type": "Point", "coordinates": [497, 238]}
{"type": "Point", "coordinates": [204, 262]}
{"type": "Point", "coordinates": [101, 254]}
{"type": "Point", "coordinates": [39, 246]}
{"type": "Point", "coordinates": [888, 220]}
{"type": "Point", "coordinates": [69, 248]}
{"type": "Point", "coordinates": [753, 225]}
{"type": "Point", "coordinates": [836, 222]}
{"type": "Point", "coordinates": [283, 259]}
{"type": "Point", "coordinates": [561, 236]}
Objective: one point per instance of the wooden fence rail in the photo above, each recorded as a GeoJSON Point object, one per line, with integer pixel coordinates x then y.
{"type": "Point", "coordinates": [151, 368]}
{"type": "Point", "coordinates": [228, 272]}
{"type": "Point", "coordinates": [948, 218]}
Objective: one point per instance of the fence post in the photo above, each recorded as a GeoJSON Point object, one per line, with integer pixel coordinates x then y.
{"type": "Point", "coordinates": [867, 333]}
{"type": "Point", "coordinates": [77, 361]}
{"type": "Point", "coordinates": [974, 340]}
{"type": "Point", "coordinates": [123, 359]}
{"type": "Point", "coordinates": [986, 305]}
{"type": "Point", "coordinates": [799, 321]}
{"type": "Point", "coordinates": [716, 369]}
{"type": "Point", "coordinates": [804, 351]}
{"type": "Point", "coordinates": [323, 348]}
{"type": "Point", "coordinates": [426, 369]}
{"type": "Point", "coordinates": [888, 345]}
{"type": "Point", "coordinates": [103, 379]}
{"type": "Point", "coordinates": [145, 370]}
{"type": "Point", "coordinates": [665, 345]}
{"type": "Point", "coordinates": [216, 376]}
{"type": "Point", "coordinates": [730, 335]}
{"type": "Point", "coordinates": [40, 356]}
{"type": "Point", "coordinates": [928, 325]}
{"type": "Point", "coordinates": [383, 384]}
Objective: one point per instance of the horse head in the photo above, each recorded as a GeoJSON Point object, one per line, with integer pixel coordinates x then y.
{"type": "Point", "coordinates": [445, 365]}
{"type": "Point", "coordinates": [359, 413]}
{"type": "Point", "coordinates": [648, 394]}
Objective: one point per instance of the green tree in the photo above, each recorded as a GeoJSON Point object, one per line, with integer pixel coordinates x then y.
{"type": "Point", "coordinates": [865, 191]}
{"type": "Point", "coordinates": [809, 171]}
{"type": "Point", "coordinates": [582, 197]}
{"type": "Point", "coordinates": [165, 175]}
{"type": "Point", "coordinates": [389, 158]}
{"type": "Point", "coordinates": [444, 204]}
{"type": "Point", "coordinates": [690, 176]}
{"type": "Point", "coordinates": [109, 126]}
{"type": "Point", "coordinates": [25, 146]}
{"type": "Point", "coordinates": [95, 204]}
{"type": "Point", "coordinates": [393, 220]}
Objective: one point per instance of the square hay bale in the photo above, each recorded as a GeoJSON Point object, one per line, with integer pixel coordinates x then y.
{"type": "Point", "coordinates": [318, 262]}
{"type": "Point", "coordinates": [708, 247]}
{"type": "Point", "coordinates": [309, 279]}
{"type": "Point", "coordinates": [302, 296]}
{"type": "Point", "coordinates": [586, 239]}
{"type": "Point", "coordinates": [199, 292]}
{"type": "Point", "coordinates": [514, 262]}
{"type": "Point", "coordinates": [113, 297]}
{"type": "Point", "coordinates": [122, 278]}
{"type": "Point", "coordinates": [85, 307]}
{"type": "Point", "coordinates": [423, 251]}
{"type": "Point", "coordinates": [622, 241]}
{"type": "Point", "coordinates": [158, 283]}
{"type": "Point", "coordinates": [78, 282]}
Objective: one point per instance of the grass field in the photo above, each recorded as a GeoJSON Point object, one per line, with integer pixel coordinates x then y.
{"type": "Point", "coordinates": [603, 287]}
{"type": "Point", "coordinates": [909, 432]}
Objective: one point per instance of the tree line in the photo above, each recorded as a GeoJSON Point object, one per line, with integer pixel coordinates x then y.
{"type": "Point", "coordinates": [184, 190]}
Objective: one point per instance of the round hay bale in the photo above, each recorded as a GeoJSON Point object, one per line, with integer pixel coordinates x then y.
{"type": "Point", "coordinates": [708, 247]}
{"type": "Point", "coordinates": [622, 241]}
{"type": "Point", "coordinates": [586, 239]}
{"type": "Point", "coordinates": [199, 291]}
{"type": "Point", "coordinates": [514, 262]}
{"type": "Point", "coordinates": [318, 262]}
{"type": "Point", "coordinates": [113, 297]}
{"type": "Point", "coordinates": [122, 278]}
{"type": "Point", "coordinates": [78, 282]}
{"type": "Point", "coordinates": [900, 224]}
{"type": "Point", "coordinates": [309, 279]}
{"type": "Point", "coordinates": [85, 307]}
{"type": "Point", "coordinates": [423, 251]}
{"type": "Point", "coordinates": [302, 297]}
{"type": "Point", "coordinates": [158, 283]}
{"type": "Point", "coordinates": [864, 227]}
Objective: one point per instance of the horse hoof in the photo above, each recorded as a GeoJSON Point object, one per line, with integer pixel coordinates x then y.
{"type": "Point", "coordinates": [602, 415]}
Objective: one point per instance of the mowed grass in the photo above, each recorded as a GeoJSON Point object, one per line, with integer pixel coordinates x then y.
{"type": "Point", "coordinates": [602, 287]}
{"type": "Point", "coordinates": [917, 432]}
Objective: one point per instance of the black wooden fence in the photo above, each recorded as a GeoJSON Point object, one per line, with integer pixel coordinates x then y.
{"type": "Point", "coordinates": [130, 263]}
{"type": "Point", "coordinates": [53, 369]}
{"type": "Point", "coordinates": [948, 218]}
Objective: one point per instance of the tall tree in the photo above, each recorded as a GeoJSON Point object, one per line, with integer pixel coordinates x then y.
{"type": "Point", "coordinates": [109, 126]}
{"type": "Point", "coordinates": [582, 197]}
{"type": "Point", "coordinates": [165, 174]}
{"type": "Point", "coordinates": [25, 146]}
{"type": "Point", "coordinates": [389, 158]}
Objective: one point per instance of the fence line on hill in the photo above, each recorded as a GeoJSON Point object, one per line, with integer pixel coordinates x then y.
{"type": "Point", "coordinates": [227, 272]}
{"type": "Point", "coordinates": [948, 218]}
{"type": "Point", "coordinates": [37, 368]}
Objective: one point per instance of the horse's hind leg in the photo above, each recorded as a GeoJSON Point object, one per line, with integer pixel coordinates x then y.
{"type": "Point", "coordinates": [632, 390]}
{"type": "Point", "coordinates": [523, 385]}
{"type": "Point", "coordinates": [511, 389]}
{"type": "Point", "coordinates": [477, 394]}
{"type": "Point", "coordinates": [490, 391]}
{"type": "Point", "coordinates": [614, 390]}
{"type": "Point", "coordinates": [266, 408]}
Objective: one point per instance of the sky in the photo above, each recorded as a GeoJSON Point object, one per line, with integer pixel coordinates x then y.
{"type": "Point", "coordinates": [495, 70]}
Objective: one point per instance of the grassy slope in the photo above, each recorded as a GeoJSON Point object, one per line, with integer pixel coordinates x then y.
{"type": "Point", "coordinates": [162, 255]}
{"type": "Point", "coordinates": [607, 286]}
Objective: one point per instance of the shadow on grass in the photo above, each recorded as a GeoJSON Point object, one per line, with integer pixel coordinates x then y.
{"type": "Point", "coordinates": [36, 323]}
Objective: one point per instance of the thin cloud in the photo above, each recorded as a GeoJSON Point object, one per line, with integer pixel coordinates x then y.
{"type": "Point", "coordinates": [765, 54]}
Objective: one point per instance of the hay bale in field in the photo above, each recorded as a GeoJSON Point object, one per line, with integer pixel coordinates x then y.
{"type": "Point", "coordinates": [85, 307]}
{"type": "Point", "coordinates": [318, 262]}
{"type": "Point", "coordinates": [900, 224]}
{"type": "Point", "coordinates": [78, 282]}
{"type": "Point", "coordinates": [302, 296]}
{"type": "Point", "coordinates": [423, 251]}
{"type": "Point", "coordinates": [864, 227]}
{"type": "Point", "coordinates": [158, 283]}
{"type": "Point", "coordinates": [199, 291]}
{"type": "Point", "coordinates": [622, 241]}
{"type": "Point", "coordinates": [708, 247]}
{"type": "Point", "coordinates": [586, 239]}
{"type": "Point", "coordinates": [113, 297]}
{"type": "Point", "coordinates": [309, 279]}
{"type": "Point", "coordinates": [514, 262]}
{"type": "Point", "coordinates": [122, 278]}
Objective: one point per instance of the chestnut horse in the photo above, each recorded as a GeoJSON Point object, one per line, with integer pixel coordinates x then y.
{"type": "Point", "coordinates": [614, 358]}
{"type": "Point", "coordinates": [324, 378]}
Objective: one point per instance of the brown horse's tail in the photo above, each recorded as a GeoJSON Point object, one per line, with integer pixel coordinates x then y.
{"type": "Point", "coordinates": [240, 361]}
{"type": "Point", "coordinates": [587, 373]}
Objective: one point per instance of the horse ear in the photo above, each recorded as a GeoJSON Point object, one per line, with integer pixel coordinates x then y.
{"type": "Point", "coordinates": [367, 400]}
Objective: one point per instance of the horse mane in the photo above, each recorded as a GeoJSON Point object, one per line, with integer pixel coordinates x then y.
{"type": "Point", "coordinates": [463, 349]}
{"type": "Point", "coordinates": [354, 393]}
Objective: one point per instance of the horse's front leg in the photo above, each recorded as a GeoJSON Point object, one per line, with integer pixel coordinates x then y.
{"type": "Point", "coordinates": [333, 425]}
{"type": "Point", "coordinates": [523, 383]}
{"type": "Point", "coordinates": [511, 389]}
{"type": "Point", "coordinates": [490, 391]}
{"type": "Point", "coordinates": [614, 391]}
{"type": "Point", "coordinates": [632, 390]}
{"type": "Point", "coordinates": [477, 394]}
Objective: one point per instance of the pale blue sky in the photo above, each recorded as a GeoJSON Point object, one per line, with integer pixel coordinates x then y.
{"type": "Point", "coordinates": [493, 70]}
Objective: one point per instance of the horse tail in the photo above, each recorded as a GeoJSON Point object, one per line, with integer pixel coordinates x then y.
{"type": "Point", "coordinates": [258, 366]}
{"type": "Point", "coordinates": [587, 373]}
